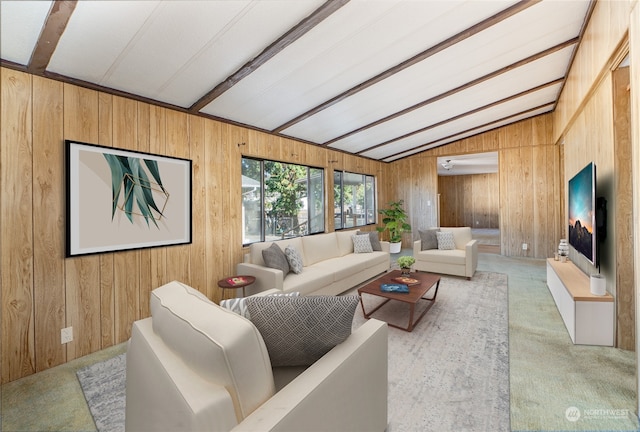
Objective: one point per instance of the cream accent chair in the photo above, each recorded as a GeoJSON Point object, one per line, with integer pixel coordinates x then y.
{"type": "Point", "coordinates": [462, 261]}
{"type": "Point", "coordinates": [194, 366]}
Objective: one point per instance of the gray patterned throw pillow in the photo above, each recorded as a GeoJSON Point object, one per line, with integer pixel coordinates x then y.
{"type": "Point", "coordinates": [275, 258]}
{"type": "Point", "coordinates": [294, 258]}
{"type": "Point", "coordinates": [361, 244]}
{"type": "Point", "coordinates": [299, 330]}
{"type": "Point", "coordinates": [239, 305]}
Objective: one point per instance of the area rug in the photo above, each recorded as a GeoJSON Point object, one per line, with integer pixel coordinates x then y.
{"type": "Point", "coordinates": [103, 385]}
{"type": "Point", "coordinates": [450, 373]}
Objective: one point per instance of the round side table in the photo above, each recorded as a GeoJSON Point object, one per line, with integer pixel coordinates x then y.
{"type": "Point", "coordinates": [235, 282]}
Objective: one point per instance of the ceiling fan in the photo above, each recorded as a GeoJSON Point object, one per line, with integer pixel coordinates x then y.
{"type": "Point", "coordinates": [447, 164]}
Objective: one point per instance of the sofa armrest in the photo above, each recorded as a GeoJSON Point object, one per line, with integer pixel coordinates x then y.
{"type": "Point", "coordinates": [162, 394]}
{"type": "Point", "coordinates": [385, 246]}
{"type": "Point", "coordinates": [417, 247]}
{"type": "Point", "coordinates": [266, 277]}
{"type": "Point", "coordinates": [471, 257]}
{"type": "Point", "coordinates": [346, 390]}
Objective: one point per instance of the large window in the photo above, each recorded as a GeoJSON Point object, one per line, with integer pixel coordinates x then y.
{"type": "Point", "coordinates": [280, 200]}
{"type": "Point", "coordinates": [354, 198]}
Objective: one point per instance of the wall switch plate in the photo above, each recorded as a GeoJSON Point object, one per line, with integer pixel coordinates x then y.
{"type": "Point", "coordinates": [525, 246]}
{"type": "Point", "coordinates": [66, 335]}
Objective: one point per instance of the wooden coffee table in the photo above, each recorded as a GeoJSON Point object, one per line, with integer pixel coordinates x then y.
{"type": "Point", "coordinates": [416, 294]}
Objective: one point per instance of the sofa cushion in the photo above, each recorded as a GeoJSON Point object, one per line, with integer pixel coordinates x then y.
{"type": "Point", "coordinates": [454, 256]}
{"type": "Point", "coordinates": [461, 236]}
{"type": "Point", "coordinates": [294, 258]}
{"type": "Point", "coordinates": [428, 239]}
{"type": "Point", "coordinates": [345, 243]}
{"type": "Point", "coordinates": [299, 330]}
{"type": "Point", "coordinates": [275, 258]}
{"type": "Point", "coordinates": [219, 345]}
{"type": "Point", "coordinates": [361, 244]}
{"type": "Point", "coordinates": [445, 240]}
{"type": "Point", "coordinates": [320, 247]}
{"type": "Point", "coordinates": [311, 279]}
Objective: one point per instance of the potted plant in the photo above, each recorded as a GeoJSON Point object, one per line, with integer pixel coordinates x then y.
{"type": "Point", "coordinates": [395, 221]}
{"type": "Point", "coordinates": [405, 263]}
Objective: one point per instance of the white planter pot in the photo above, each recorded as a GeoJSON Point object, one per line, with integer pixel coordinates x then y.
{"type": "Point", "coordinates": [395, 247]}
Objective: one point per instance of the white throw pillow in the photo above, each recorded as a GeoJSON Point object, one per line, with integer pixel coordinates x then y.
{"type": "Point", "coordinates": [362, 244]}
{"type": "Point", "coordinates": [445, 240]}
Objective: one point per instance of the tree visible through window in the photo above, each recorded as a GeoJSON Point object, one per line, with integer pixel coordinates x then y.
{"type": "Point", "coordinates": [354, 199]}
{"type": "Point", "coordinates": [280, 200]}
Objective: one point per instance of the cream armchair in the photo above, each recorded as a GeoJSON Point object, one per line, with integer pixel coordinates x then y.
{"type": "Point", "coordinates": [461, 261]}
{"type": "Point", "coordinates": [194, 366]}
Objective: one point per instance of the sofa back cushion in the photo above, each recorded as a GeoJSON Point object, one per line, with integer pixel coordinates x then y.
{"type": "Point", "coordinates": [320, 247]}
{"type": "Point", "coordinates": [461, 235]}
{"type": "Point", "coordinates": [255, 249]}
{"type": "Point", "coordinates": [345, 242]}
{"type": "Point", "coordinates": [219, 345]}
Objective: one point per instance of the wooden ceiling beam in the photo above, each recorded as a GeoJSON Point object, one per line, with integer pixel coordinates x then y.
{"type": "Point", "coordinates": [55, 24]}
{"type": "Point", "coordinates": [271, 51]}
{"type": "Point", "coordinates": [465, 34]}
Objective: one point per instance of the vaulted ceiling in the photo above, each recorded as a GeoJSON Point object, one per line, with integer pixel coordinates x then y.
{"type": "Point", "coordinates": [383, 79]}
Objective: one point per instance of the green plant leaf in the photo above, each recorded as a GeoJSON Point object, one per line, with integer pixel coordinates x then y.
{"type": "Point", "coordinates": [152, 166]}
{"type": "Point", "coordinates": [117, 175]}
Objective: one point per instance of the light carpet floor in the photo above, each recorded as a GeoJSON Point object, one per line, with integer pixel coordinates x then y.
{"type": "Point", "coordinates": [451, 373]}
{"type": "Point", "coordinates": [546, 378]}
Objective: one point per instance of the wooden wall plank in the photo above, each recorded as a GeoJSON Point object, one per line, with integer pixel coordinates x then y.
{"type": "Point", "coordinates": [126, 264]}
{"type": "Point", "coordinates": [198, 248]}
{"type": "Point", "coordinates": [623, 179]}
{"type": "Point", "coordinates": [157, 145]}
{"type": "Point", "coordinates": [145, 269]}
{"type": "Point", "coordinates": [82, 274]}
{"type": "Point", "coordinates": [18, 350]}
{"type": "Point", "coordinates": [107, 284]}
{"type": "Point", "coordinates": [177, 144]}
{"type": "Point", "coordinates": [48, 193]}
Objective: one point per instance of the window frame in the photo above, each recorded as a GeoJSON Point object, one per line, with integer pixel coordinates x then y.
{"type": "Point", "coordinates": [341, 204]}
{"type": "Point", "coordinates": [310, 183]}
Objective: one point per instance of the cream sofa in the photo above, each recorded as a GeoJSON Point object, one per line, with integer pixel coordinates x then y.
{"type": "Point", "coordinates": [461, 261]}
{"type": "Point", "coordinates": [330, 265]}
{"type": "Point", "coordinates": [194, 366]}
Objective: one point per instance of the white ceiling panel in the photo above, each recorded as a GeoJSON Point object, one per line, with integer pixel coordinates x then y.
{"type": "Point", "coordinates": [20, 25]}
{"type": "Point", "coordinates": [380, 78]}
{"type": "Point", "coordinates": [367, 38]}
{"type": "Point", "coordinates": [488, 51]}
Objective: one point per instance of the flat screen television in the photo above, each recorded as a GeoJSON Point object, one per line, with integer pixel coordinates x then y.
{"type": "Point", "coordinates": [582, 213]}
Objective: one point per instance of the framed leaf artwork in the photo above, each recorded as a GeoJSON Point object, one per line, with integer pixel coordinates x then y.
{"type": "Point", "coordinates": [121, 199]}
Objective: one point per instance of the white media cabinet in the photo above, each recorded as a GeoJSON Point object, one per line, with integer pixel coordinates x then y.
{"type": "Point", "coordinates": [589, 318]}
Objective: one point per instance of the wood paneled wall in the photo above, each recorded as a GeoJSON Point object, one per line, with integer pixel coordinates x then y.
{"type": "Point", "coordinates": [101, 295]}
{"type": "Point", "coordinates": [530, 188]}
{"type": "Point", "coordinates": [590, 121]}
{"type": "Point", "coordinates": [605, 32]}
{"type": "Point", "coordinates": [470, 200]}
